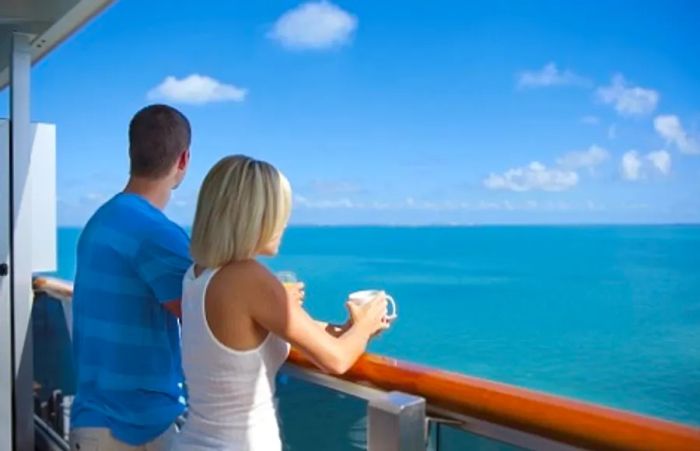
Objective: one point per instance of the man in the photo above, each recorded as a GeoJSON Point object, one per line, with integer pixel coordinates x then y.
{"type": "Point", "coordinates": [126, 305]}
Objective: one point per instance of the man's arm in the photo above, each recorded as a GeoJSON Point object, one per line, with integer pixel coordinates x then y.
{"type": "Point", "coordinates": [162, 262]}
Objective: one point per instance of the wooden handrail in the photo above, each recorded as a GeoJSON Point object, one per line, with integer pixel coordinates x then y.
{"type": "Point", "coordinates": [573, 422]}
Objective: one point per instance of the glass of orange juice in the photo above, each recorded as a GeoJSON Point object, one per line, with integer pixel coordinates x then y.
{"type": "Point", "coordinates": [287, 277]}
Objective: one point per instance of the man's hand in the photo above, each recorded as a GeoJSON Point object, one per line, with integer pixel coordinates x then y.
{"type": "Point", "coordinates": [174, 307]}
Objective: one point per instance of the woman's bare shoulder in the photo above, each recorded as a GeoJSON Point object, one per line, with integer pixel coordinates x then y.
{"type": "Point", "coordinates": [250, 270]}
{"type": "Point", "coordinates": [248, 277]}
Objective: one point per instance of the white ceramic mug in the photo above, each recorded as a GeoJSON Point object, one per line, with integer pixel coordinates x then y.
{"type": "Point", "coordinates": [364, 296]}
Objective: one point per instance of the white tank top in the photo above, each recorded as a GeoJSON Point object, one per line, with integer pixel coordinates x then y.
{"type": "Point", "coordinates": [231, 393]}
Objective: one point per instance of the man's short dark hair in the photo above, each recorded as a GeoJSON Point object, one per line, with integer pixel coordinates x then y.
{"type": "Point", "coordinates": [158, 134]}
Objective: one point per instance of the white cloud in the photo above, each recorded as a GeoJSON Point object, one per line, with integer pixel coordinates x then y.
{"type": "Point", "coordinates": [537, 176]}
{"type": "Point", "coordinates": [410, 203]}
{"type": "Point", "coordinates": [635, 167]}
{"type": "Point", "coordinates": [628, 100]}
{"type": "Point", "coordinates": [661, 160]}
{"type": "Point", "coordinates": [589, 158]}
{"type": "Point", "coordinates": [196, 89]}
{"type": "Point", "coordinates": [534, 176]}
{"type": "Point", "coordinates": [594, 206]}
{"type": "Point", "coordinates": [670, 128]}
{"type": "Point", "coordinates": [305, 202]}
{"type": "Point", "coordinates": [445, 206]}
{"type": "Point", "coordinates": [631, 166]}
{"type": "Point", "coordinates": [590, 120]}
{"type": "Point", "coordinates": [315, 26]}
{"type": "Point", "coordinates": [549, 75]}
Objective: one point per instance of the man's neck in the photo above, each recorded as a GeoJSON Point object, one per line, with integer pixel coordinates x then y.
{"type": "Point", "coordinates": [157, 192]}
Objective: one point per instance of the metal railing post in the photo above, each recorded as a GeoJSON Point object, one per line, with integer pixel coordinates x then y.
{"type": "Point", "coordinates": [20, 268]}
{"type": "Point", "coordinates": [396, 422]}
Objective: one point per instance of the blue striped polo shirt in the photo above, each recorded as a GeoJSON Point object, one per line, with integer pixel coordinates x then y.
{"type": "Point", "coordinates": [131, 259]}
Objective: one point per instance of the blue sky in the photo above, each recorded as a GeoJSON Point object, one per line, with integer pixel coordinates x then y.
{"type": "Point", "coordinates": [397, 112]}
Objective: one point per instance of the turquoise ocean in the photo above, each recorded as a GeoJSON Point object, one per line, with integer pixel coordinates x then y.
{"type": "Point", "coordinates": [608, 314]}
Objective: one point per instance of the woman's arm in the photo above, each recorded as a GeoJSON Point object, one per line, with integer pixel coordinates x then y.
{"type": "Point", "coordinates": [295, 293]}
{"type": "Point", "coordinates": [335, 330]}
{"type": "Point", "coordinates": [274, 311]}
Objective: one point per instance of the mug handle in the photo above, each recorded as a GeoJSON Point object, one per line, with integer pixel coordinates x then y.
{"type": "Point", "coordinates": [393, 314]}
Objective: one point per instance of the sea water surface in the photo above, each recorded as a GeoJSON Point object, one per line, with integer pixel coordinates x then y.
{"type": "Point", "coordinates": [608, 314]}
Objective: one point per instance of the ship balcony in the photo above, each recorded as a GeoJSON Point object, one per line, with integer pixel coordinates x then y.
{"type": "Point", "coordinates": [380, 404]}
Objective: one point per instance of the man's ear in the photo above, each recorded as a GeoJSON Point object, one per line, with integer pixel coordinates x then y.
{"type": "Point", "coordinates": [183, 160]}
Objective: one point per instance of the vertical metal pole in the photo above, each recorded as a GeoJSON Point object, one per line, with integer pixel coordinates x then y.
{"type": "Point", "coordinates": [20, 271]}
{"type": "Point", "coordinates": [6, 377]}
{"type": "Point", "coordinates": [396, 422]}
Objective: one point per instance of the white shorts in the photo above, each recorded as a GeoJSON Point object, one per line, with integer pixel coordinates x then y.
{"type": "Point", "coordinates": [101, 439]}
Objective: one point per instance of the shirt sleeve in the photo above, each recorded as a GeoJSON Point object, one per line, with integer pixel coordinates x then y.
{"type": "Point", "coordinates": [163, 260]}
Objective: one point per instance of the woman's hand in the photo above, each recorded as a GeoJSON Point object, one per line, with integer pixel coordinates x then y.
{"type": "Point", "coordinates": [370, 316]}
{"type": "Point", "coordinates": [295, 292]}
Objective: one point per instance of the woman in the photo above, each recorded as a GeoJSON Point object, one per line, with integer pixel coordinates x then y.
{"type": "Point", "coordinates": [238, 321]}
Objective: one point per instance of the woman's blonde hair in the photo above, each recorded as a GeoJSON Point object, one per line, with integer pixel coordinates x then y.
{"type": "Point", "coordinates": [243, 205]}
